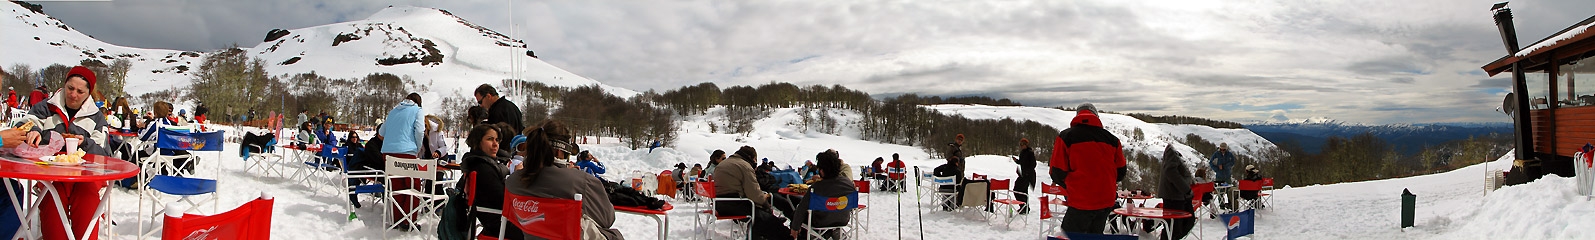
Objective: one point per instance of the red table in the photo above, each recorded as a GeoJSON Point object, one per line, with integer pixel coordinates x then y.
{"type": "Point", "coordinates": [788, 191]}
{"type": "Point", "coordinates": [664, 224]}
{"type": "Point", "coordinates": [1132, 198]}
{"type": "Point", "coordinates": [304, 154]}
{"type": "Point", "coordinates": [129, 138]}
{"type": "Point", "coordinates": [96, 168]}
{"type": "Point", "coordinates": [1160, 215]}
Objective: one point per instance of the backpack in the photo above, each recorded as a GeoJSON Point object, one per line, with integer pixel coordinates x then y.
{"type": "Point", "coordinates": [455, 222]}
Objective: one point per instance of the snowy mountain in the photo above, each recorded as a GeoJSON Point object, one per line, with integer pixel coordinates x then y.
{"type": "Point", "coordinates": [427, 44]}
{"type": "Point", "coordinates": [38, 40]}
{"type": "Point", "coordinates": [1407, 138]}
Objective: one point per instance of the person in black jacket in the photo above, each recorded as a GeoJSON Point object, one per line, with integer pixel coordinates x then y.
{"type": "Point", "coordinates": [1175, 189]}
{"type": "Point", "coordinates": [499, 110]}
{"type": "Point", "coordinates": [484, 168]}
{"type": "Point", "coordinates": [832, 184]}
{"type": "Point", "coordinates": [1027, 174]}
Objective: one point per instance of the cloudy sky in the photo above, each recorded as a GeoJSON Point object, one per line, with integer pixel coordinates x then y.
{"type": "Point", "coordinates": [1373, 61]}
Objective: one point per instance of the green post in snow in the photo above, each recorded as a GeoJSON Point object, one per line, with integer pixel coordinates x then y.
{"type": "Point", "coordinates": [1408, 200]}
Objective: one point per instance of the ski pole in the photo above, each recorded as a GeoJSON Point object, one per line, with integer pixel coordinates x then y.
{"type": "Point", "coordinates": [919, 198]}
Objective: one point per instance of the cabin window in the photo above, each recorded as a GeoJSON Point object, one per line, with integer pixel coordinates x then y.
{"type": "Point", "coordinates": [1539, 89]}
{"type": "Point", "coordinates": [1581, 73]}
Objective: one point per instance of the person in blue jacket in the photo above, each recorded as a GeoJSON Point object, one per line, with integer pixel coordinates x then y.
{"type": "Point", "coordinates": [587, 163]}
{"type": "Point", "coordinates": [404, 128]}
{"type": "Point", "coordinates": [656, 144]}
{"type": "Point", "coordinates": [402, 133]}
{"type": "Point", "coordinates": [1222, 162]}
{"type": "Point", "coordinates": [9, 222]}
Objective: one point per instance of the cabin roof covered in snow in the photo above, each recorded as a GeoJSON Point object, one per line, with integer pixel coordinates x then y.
{"type": "Point", "coordinates": [1535, 54]}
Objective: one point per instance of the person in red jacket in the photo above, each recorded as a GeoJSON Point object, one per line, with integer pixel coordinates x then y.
{"type": "Point", "coordinates": [897, 171]}
{"type": "Point", "coordinates": [38, 95]}
{"type": "Point", "coordinates": [11, 97]}
{"type": "Point", "coordinates": [1088, 161]}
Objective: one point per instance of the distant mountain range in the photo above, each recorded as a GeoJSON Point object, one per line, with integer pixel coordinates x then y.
{"type": "Point", "coordinates": [1407, 139]}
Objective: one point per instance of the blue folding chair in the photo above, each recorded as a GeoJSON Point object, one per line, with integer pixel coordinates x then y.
{"type": "Point", "coordinates": [352, 181]}
{"type": "Point", "coordinates": [184, 187]}
{"type": "Point", "coordinates": [316, 169]}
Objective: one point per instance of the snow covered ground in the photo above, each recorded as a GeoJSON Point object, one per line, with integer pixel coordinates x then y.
{"type": "Point", "coordinates": [1451, 205]}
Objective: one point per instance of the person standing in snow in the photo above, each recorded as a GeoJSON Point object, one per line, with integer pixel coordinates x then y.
{"type": "Point", "coordinates": [1203, 177]}
{"type": "Point", "coordinates": [1223, 163]}
{"type": "Point", "coordinates": [434, 146]}
{"type": "Point", "coordinates": [956, 152]}
{"type": "Point", "coordinates": [1088, 161]}
{"type": "Point", "coordinates": [1175, 189]}
{"type": "Point", "coordinates": [499, 109]}
{"type": "Point", "coordinates": [11, 100]}
{"type": "Point", "coordinates": [403, 132]}
{"type": "Point", "coordinates": [1027, 174]}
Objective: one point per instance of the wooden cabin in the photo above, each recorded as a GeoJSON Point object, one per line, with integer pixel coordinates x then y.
{"type": "Point", "coordinates": [1559, 74]}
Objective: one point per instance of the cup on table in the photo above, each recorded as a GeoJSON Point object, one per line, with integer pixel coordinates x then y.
{"type": "Point", "coordinates": [72, 145]}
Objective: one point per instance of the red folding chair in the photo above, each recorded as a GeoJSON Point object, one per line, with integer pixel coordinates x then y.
{"type": "Point", "coordinates": [249, 221]}
{"type": "Point", "coordinates": [863, 187]}
{"type": "Point", "coordinates": [1268, 191]}
{"type": "Point", "coordinates": [1197, 191]}
{"type": "Point", "coordinates": [548, 218]}
{"type": "Point", "coordinates": [1053, 203]}
{"type": "Point", "coordinates": [706, 189]}
{"type": "Point", "coordinates": [1000, 188]}
{"type": "Point", "coordinates": [1254, 187]}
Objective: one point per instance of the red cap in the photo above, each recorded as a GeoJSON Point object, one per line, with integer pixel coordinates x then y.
{"type": "Point", "coordinates": [88, 75]}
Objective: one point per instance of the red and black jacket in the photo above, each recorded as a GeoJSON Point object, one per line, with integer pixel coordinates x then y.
{"type": "Point", "coordinates": [1088, 161]}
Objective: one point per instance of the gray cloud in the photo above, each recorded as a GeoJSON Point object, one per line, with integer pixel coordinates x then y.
{"type": "Point", "coordinates": [1493, 83]}
{"type": "Point", "coordinates": [1375, 62]}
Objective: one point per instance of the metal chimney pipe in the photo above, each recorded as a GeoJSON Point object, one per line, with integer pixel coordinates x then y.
{"type": "Point", "coordinates": [1522, 125]}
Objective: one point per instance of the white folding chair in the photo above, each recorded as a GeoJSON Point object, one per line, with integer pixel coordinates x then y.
{"type": "Point", "coordinates": [429, 195]}
{"type": "Point", "coordinates": [945, 190]}
{"type": "Point", "coordinates": [262, 157]}
{"type": "Point", "coordinates": [926, 185]}
{"type": "Point", "coordinates": [897, 179]}
{"type": "Point", "coordinates": [313, 171]}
